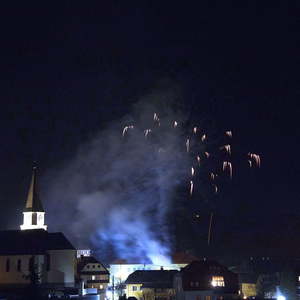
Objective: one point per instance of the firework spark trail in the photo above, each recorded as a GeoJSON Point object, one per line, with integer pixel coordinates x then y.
{"type": "Point", "coordinates": [227, 148]}
{"type": "Point", "coordinates": [125, 129]}
{"type": "Point", "coordinates": [175, 124]}
{"type": "Point", "coordinates": [206, 154]}
{"type": "Point", "coordinates": [250, 163]}
{"type": "Point", "coordinates": [147, 131]}
{"type": "Point", "coordinates": [198, 160]}
{"type": "Point", "coordinates": [212, 176]}
{"type": "Point", "coordinates": [191, 187]}
{"type": "Point", "coordinates": [229, 133]}
{"type": "Point", "coordinates": [215, 188]}
{"type": "Point", "coordinates": [227, 166]}
{"type": "Point", "coordinates": [195, 130]}
{"type": "Point", "coordinates": [256, 158]}
{"type": "Point", "coordinates": [192, 171]}
{"type": "Point", "coordinates": [203, 138]}
{"type": "Point", "coordinates": [187, 144]}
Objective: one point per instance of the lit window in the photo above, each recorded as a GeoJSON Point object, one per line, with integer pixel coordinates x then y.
{"type": "Point", "coordinates": [217, 281]}
{"type": "Point", "coordinates": [93, 277]}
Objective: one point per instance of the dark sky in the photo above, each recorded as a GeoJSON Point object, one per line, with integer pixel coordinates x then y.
{"type": "Point", "coordinates": [68, 68]}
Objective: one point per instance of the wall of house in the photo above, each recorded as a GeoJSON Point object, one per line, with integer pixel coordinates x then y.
{"type": "Point", "coordinates": [158, 293]}
{"type": "Point", "coordinates": [248, 289]}
{"type": "Point", "coordinates": [120, 272]}
{"type": "Point", "coordinates": [18, 269]}
{"type": "Point", "coordinates": [134, 290]}
{"type": "Point", "coordinates": [62, 267]}
{"type": "Point", "coordinates": [95, 281]}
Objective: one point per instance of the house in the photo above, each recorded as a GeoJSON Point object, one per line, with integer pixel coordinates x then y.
{"type": "Point", "coordinates": [248, 284]}
{"type": "Point", "coordinates": [151, 284]}
{"type": "Point", "coordinates": [92, 273]}
{"type": "Point", "coordinates": [120, 269]}
{"type": "Point", "coordinates": [206, 280]}
{"type": "Point", "coordinates": [50, 257]}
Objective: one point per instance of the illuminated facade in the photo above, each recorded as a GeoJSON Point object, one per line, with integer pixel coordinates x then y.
{"type": "Point", "coordinates": [149, 285]}
{"type": "Point", "coordinates": [51, 255]}
{"type": "Point", "coordinates": [93, 273]}
{"type": "Point", "coordinates": [34, 214]}
{"type": "Point", "coordinates": [119, 272]}
{"type": "Point", "coordinates": [206, 280]}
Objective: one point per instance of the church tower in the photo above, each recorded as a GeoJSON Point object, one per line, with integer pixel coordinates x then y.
{"type": "Point", "coordinates": [33, 214]}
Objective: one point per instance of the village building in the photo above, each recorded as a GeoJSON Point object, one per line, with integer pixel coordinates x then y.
{"type": "Point", "coordinates": [92, 273]}
{"type": "Point", "coordinates": [151, 284]}
{"type": "Point", "coordinates": [120, 269]}
{"type": "Point", "coordinates": [206, 280]}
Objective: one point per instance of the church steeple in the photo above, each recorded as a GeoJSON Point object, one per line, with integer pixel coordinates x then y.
{"type": "Point", "coordinates": [33, 214]}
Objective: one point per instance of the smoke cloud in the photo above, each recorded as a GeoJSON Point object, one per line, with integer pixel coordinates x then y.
{"type": "Point", "coordinates": [114, 194]}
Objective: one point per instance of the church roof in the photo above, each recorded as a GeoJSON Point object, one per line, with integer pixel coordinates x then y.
{"type": "Point", "coordinates": [33, 202]}
{"type": "Point", "coordinates": [21, 242]}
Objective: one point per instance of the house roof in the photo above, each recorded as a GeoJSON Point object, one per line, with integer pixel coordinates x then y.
{"type": "Point", "coordinates": [36, 241]}
{"type": "Point", "coordinates": [152, 278]}
{"type": "Point", "coordinates": [33, 202]}
{"type": "Point", "coordinates": [248, 277]}
{"type": "Point", "coordinates": [84, 260]}
{"type": "Point", "coordinates": [204, 265]}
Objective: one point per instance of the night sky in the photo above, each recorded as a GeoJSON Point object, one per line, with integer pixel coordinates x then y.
{"type": "Point", "coordinates": [69, 68]}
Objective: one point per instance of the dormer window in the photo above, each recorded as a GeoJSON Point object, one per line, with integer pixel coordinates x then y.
{"type": "Point", "coordinates": [217, 281]}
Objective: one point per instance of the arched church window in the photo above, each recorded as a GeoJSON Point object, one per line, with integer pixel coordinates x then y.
{"type": "Point", "coordinates": [7, 265]}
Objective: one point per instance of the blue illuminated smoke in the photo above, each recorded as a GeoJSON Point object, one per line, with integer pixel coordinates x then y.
{"type": "Point", "coordinates": [115, 193]}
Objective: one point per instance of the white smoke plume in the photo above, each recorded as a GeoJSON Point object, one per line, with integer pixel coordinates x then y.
{"type": "Point", "coordinates": [115, 193]}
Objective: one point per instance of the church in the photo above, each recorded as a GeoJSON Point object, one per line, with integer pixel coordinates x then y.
{"type": "Point", "coordinates": [34, 250]}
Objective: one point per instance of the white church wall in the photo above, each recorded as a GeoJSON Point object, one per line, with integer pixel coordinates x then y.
{"type": "Point", "coordinates": [62, 266]}
{"type": "Point", "coordinates": [14, 269]}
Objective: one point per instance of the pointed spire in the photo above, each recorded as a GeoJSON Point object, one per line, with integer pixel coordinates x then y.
{"type": "Point", "coordinates": [33, 202]}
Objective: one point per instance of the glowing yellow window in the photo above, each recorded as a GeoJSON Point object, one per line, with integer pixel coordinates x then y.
{"type": "Point", "coordinates": [217, 281]}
